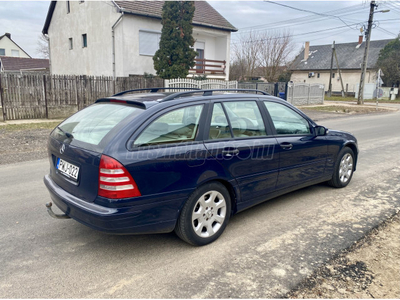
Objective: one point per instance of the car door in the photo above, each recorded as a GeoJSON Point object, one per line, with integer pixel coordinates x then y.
{"type": "Point", "coordinates": [239, 140]}
{"type": "Point", "coordinates": [302, 154]}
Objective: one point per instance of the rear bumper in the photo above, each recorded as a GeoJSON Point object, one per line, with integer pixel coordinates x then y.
{"type": "Point", "coordinates": [152, 217]}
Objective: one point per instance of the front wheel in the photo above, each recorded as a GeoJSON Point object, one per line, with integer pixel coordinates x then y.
{"type": "Point", "coordinates": [344, 168]}
{"type": "Point", "coordinates": [205, 215]}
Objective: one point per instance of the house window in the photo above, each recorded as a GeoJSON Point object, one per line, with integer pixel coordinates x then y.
{"type": "Point", "coordinates": [81, 1]}
{"type": "Point", "coordinates": [149, 42]}
{"type": "Point", "coordinates": [15, 53]}
{"type": "Point", "coordinates": [333, 75]}
{"type": "Point", "coordinates": [68, 7]}
{"type": "Point", "coordinates": [71, 44]}
{"type": "Point", "coordinates": [2, 52]}
{"type": "Point", "coordinates": [84, 40]}
{"type": "Point", "coordinates": [318, 75]}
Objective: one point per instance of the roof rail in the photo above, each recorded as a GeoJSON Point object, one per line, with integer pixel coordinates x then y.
{"type": "Point", "coordinates": [154, 90]}
{"type": "Point", "coordinates": [210, 92]}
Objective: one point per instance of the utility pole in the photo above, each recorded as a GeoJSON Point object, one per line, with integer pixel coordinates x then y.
{"type": "Point", "coordinates": [330, 76]}
{"type": "Point", "coordinates": [360, 99]}
{"type": "Point", "coordinates": [340, 73]}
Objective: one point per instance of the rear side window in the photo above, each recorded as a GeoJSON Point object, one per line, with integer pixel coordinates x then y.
{"type": "Point", "coordinates": [245, 118]}
{"type": "Point", "coordinates": [91, 124]}
{"type": "Point", "coordinates": [180, 125]}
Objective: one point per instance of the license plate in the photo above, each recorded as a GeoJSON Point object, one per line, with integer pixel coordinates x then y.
{"type": "Point", "coordinates": [67, 169]}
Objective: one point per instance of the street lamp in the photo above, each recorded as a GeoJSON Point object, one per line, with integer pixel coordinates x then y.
{"type": "Point", "coordinates": [360, 99]}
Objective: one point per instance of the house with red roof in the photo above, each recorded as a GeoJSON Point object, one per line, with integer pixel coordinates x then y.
{"type": "Point", "coordinates": [119, 38]}
{"type": "Point", "coordinates": [14, 59]}
{"type": "Point", "coordinates": [10, 48]}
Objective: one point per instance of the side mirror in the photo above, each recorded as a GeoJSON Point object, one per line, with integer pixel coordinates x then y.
{"type": "Point", "coordinates": [320, 130]}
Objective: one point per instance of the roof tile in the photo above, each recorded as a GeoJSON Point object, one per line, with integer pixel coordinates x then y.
{"type": "Point", "coordinates": [9, 63]}
{"type": "Point", "coordinates": [348, 55]}
{"type": "Point", "coordinates": [204, 14]}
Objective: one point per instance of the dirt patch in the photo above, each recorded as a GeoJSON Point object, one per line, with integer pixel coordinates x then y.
{"type": "Point", "coordinates": [369, 269]}
{"type": "Point", "coordinates": [24, 142]}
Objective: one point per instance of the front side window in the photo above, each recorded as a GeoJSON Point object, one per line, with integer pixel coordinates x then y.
{"type": "Point", "coordinates": [148, 42]}
{"type": "Point", "coordinates": [177, 126]}
{"type": "Point", "coordinates": [245, 119]}
{"type": "Point", "coordinates": [286, 120]}
{"type": "Point", "coordinates": [71, 44]}
{"type": "Point", "coordinates": [2, 52]}
{"type": "Point", "coordinates": [15, 53]}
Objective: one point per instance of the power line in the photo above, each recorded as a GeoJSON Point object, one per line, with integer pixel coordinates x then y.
{"type": "Point", "coordinates": [299, 34]}
{"type": "Point", "coordinates": [303, 20]}
{"type": "Point", "coordinates": [309, 11]}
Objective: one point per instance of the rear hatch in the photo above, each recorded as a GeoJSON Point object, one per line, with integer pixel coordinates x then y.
{"type": "Point", "coordinates": [76, 145]}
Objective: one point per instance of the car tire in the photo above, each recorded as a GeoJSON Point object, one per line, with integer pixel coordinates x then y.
{"type": "Point", "coordinates": [344, 168]}
{"type": "Point", "coordinates": [205, 214]}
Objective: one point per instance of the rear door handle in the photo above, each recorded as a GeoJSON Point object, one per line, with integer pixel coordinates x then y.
{"type": "Point", "coordinates": [286, 146]}
{"type": "Point", "coordinates": [230, 153]}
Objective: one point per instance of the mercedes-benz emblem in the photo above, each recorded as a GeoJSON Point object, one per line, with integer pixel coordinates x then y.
{"type": "Point", "coordinates": [62, 148]}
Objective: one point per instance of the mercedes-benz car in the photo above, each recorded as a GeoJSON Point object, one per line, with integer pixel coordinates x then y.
{"type": "Point", "coordinates": [161, 160]}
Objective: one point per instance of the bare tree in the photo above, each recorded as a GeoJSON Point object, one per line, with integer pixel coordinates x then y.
{"type": "Point", "coordinates": [275, 49]}
{"type": "Point", "coordinates": [261, 54]}
{"type": "Point", "coordinates": [43, 46]}
{"type": "Point", "coordinates": [245, 55]}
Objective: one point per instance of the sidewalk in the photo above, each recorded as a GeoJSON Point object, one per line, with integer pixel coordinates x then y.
{"type": "Point", "coordinates": [30, 121]}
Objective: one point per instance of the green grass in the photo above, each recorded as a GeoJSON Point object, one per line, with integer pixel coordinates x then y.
{"type": "Point", "coordinates": [352, 99]}
{"type": "Point", "coordinates": [344, 109]}
{"type": "Point", "coordinates": [28, 126]}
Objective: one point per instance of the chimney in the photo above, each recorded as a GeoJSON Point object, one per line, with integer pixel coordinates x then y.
{"type": "Point", "coordinates": [306, 50]}
{"type": "Point", "coordinates": [8, 35]}
{"type": "Point", "coordinates": [360, 39]}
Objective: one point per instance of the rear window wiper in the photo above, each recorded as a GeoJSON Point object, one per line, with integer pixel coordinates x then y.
{"type": "Point", "coordinates": [67, 134]}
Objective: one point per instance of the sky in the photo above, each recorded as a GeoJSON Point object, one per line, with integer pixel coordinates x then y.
{"type": "Point", "coordinates": [321, 22]}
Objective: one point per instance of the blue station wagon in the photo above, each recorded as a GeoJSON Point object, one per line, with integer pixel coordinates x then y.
{"type": "Point", "coordinates": [154, 161]}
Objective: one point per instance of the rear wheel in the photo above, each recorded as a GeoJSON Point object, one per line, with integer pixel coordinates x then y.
{"type": "Point", "coordinates": [344, 168]}
{"type": "Point", "coordinates": [205, 215]}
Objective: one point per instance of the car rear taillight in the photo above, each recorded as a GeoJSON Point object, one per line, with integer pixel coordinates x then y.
{"type": "Point", "coordinates": [115, 182]}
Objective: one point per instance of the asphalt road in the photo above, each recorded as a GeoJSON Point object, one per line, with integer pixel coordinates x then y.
{"type": "Point", "coordinates": [264, 252]}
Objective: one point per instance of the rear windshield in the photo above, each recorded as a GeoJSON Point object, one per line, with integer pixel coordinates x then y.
{"type": "Point", "coordinates": [93, 123]}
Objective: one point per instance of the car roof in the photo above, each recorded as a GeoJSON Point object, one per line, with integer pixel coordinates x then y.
{"type": "Point", "coordinates": [146, 100]}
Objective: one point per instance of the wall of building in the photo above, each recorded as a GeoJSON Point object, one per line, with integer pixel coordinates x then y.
{"type": "Point", "coordinates": [96, 19]}
{"type": "Point", "coordinates": [350, 79]}
{"type": "Point", "coordinates": [216, 45]}
{"type": "Point", "coordinates": [8, 45]}
{"type": "Point", "coordinates": [93, 18]}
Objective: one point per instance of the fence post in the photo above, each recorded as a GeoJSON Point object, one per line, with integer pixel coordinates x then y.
{"type": "Point", "coordinates": [309, 94]}
{"type": "Point", "coordinates": [286, 90]}
{"type": "Point", "coordinates": [45, 96]}
{"type": "Point", "coordinates": [1, 98]}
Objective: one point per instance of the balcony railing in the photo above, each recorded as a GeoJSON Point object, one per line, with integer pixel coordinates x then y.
{"type": "Point", "coordinates": [209, 66]}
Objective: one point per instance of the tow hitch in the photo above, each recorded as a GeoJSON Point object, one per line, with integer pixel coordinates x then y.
{"type": "Point", "coordinates": [53, 215]}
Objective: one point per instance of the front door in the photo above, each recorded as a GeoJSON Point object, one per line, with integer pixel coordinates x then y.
{"type": "Point", "coordinates": [302, 155]}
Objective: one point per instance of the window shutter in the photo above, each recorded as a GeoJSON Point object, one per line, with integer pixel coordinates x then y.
{"type": "Point", "coordinates": [148, 42]}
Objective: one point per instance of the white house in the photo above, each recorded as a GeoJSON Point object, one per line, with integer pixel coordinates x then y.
{"type": "Point", "coordinates": [119, 38]}
{"type": "Point", "coordinates": [313, 64]}
{"type": "Point", "coordinates": [10, 48]}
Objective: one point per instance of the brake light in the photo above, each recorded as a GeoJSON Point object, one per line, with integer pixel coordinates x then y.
{"type": "Point", "coordinates": [115, 182]}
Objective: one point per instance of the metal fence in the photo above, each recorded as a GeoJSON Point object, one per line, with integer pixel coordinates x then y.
{"type": "Point", "coordinates": [305, 94]}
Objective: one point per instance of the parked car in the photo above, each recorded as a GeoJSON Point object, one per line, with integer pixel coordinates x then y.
{"type": "Point", "coordinates": [138, 163]}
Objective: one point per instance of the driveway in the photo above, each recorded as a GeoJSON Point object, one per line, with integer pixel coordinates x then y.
{"type": "Point", "coordinates": [264, 252]}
